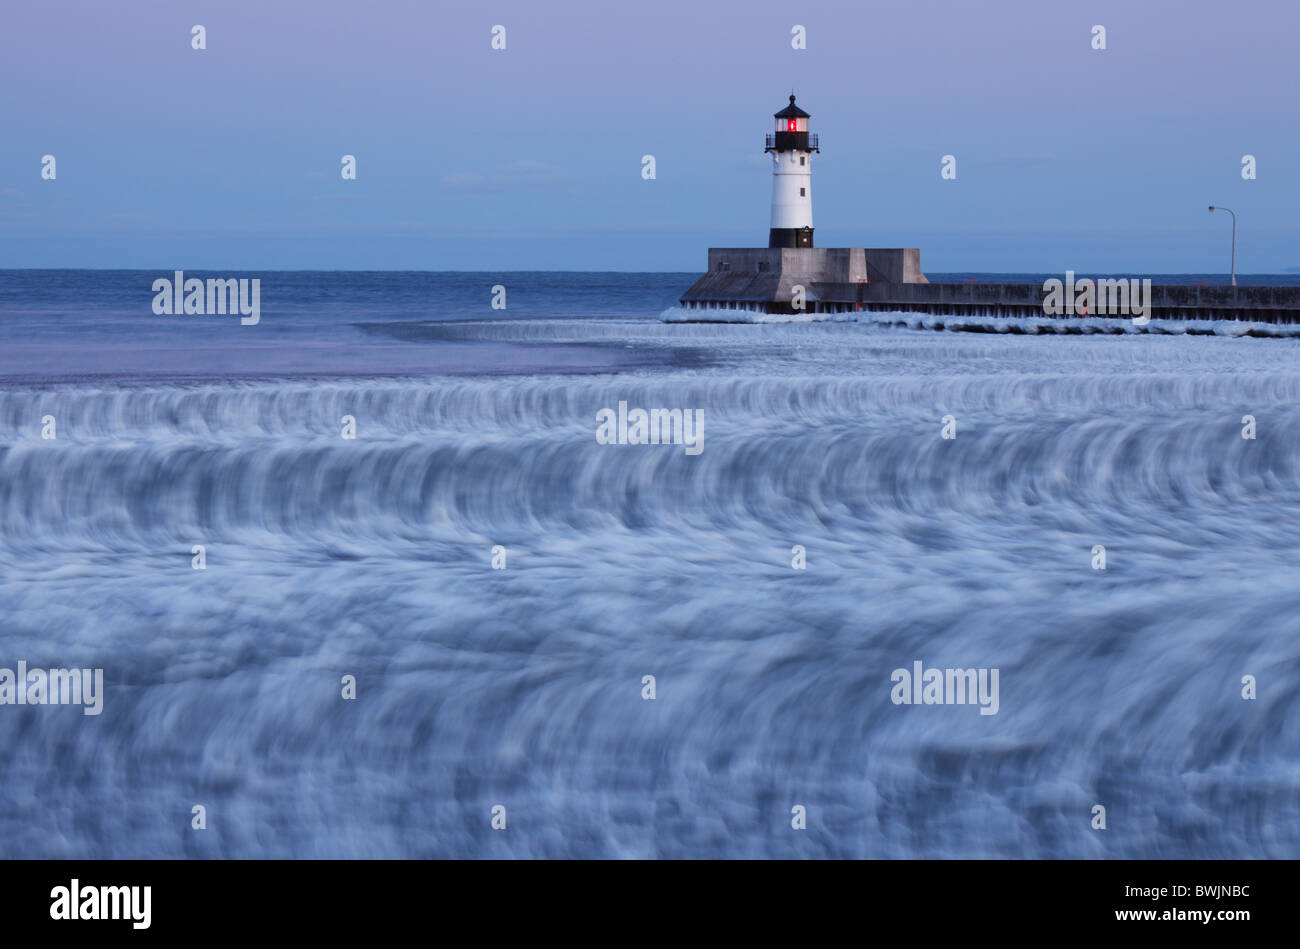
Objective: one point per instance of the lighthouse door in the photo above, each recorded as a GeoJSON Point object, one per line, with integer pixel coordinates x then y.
{"type": "Point", "coordinates": [804, 237]}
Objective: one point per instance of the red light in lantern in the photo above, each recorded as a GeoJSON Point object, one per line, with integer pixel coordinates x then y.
{"type": "Point", "coordinates": [792, 126]}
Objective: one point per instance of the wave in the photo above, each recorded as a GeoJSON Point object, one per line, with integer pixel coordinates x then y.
{"type": "Point", "coordinates": [523, 686]}
{"type": "Point", "coordinates": [271, 456]}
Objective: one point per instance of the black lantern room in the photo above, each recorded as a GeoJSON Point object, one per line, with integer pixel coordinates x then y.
{"type": "Point", "coordinates": [792, 131]}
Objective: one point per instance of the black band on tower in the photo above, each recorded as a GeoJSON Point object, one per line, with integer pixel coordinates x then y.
{"type": "Point", "coordinates": [790, 237]}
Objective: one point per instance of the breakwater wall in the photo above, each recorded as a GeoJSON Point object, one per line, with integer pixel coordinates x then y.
{"type": "Point", "coordinates": [839, 280]}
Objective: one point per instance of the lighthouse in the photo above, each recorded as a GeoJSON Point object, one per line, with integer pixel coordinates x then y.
{"type": "Point", "coordinates": [791, 146]}
{"type": "Point", "coordinates": [790, 276]}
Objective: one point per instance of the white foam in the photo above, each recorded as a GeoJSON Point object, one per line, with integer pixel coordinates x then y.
{"type": "Point", "coordinates": [1030, 325]}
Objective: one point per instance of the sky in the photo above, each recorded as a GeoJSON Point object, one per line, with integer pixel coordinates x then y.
{"type": "Point", "coordinates": [530, 157]}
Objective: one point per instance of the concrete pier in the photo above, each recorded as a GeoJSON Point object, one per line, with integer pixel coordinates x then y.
{"type": "Point", "coordinates": [838, 280]}
{"type": "Point", "coordinates": [764, 278]}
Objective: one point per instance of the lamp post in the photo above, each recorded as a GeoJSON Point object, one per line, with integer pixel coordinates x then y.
{"type": "Point", "coordinates": [1234, 240]}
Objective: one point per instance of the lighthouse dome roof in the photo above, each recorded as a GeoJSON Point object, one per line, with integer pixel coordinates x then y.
{"type": "Point", "coordinates": [791, 111]}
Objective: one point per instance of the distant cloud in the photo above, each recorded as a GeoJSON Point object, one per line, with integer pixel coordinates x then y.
{"type": "Point", "coordinates": [520, 176]}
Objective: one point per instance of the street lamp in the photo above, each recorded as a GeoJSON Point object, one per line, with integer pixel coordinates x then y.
{"type": "Point", "coordinates": [1234, 240]}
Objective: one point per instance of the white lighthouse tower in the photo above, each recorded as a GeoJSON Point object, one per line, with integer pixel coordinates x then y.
{"type": "Point", "coordinates": [791, 147]}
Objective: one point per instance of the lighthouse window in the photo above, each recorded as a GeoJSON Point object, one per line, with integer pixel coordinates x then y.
{"type": "Point", "coordinates": [803, 159]}
{"type": "Point", "coordinates": [803, 192]}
